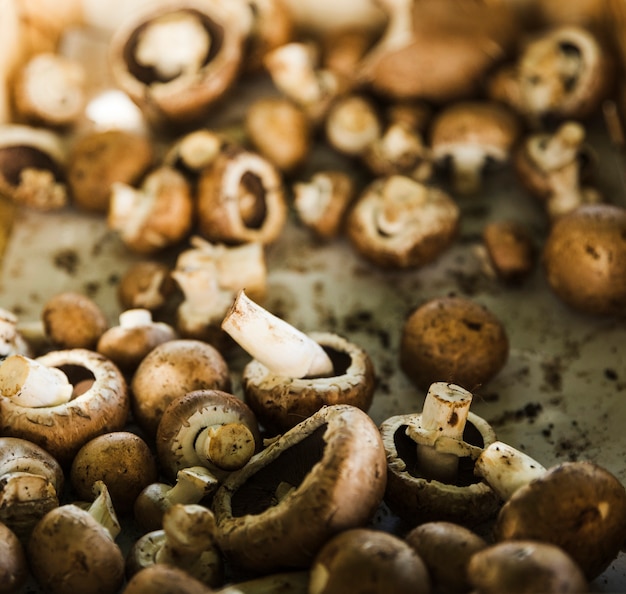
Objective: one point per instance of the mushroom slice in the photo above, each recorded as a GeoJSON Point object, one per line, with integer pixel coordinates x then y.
{"type": "Point", "coordinates": [32, 163]}
{"type": "Point", "coordinates": [241, 199]}
{"type": "Point", "coordinates": [102, 406]}
{"type": "Point", "coordinates": [398, 222]}
{"type": "Point", "coordinates": [430, 461]}
{"type": "Point", "coordinates": [325, 475]}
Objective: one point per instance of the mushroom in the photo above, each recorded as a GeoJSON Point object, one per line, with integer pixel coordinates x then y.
{"type": "Point", "coordinates": [50, 90]}
{"type": "Point", "coordinates": [193, 484]}
{"type": "Point", "coordinates": [169, 371]}
{"type": "Point", "coordinates": [510, 250]}
{"type": "Point", "coordinates": [32, 167]}
{"type": "Point", "coordinates": [13, 565]}
{"type": "Point", "coordinates": [367, 560]}
{"type": "Point", "coordinates": [63, 419]}
{"type": "Point", "coordinates": [135, 336]}
{"type": "Point", "coordinates": [122, 460]}
{"type": "Point", "coordinates": [293, 374]}
{"type": "Point", "coordinates": [210, 428]}
{"type": "Point", "coordinates": [562, 72]}
{"type": "Point", "coordinates": [99, 159]}
{"type": "Point", "coordinates": [323, 476]}
{"type": "Point", "coordinates": [399, 222]}
{"type": "Point", "coordinates": [431, 457]}
{"type": "Point", "coordinates": [241, 199]}
{"type": "Point", "coordinates": [156, 216]}
{"type": "Point", "coordinates": [552, 167]}
{"type": "Point", "coordinates": [453, 339]}
{"type": "Point", "coordinates": [195, 150]}
{"type": "Point", "coordinates": [446, 549]}
{"type": "Point", "coordinates": [12, 342]}
{"type": "Point", "coordinates": [145, 285]}
{"type": "Point", "coordinates": [577, 506]}
{"type": "Point", "coordinates": [72, 320]}
{"type": "Point", "coordinates": [73, 549]}
{"type": "Point", "coordinates": [525, 566]}
{"type": "Point", "coordinates": [176, 61]}
{"type": "Point", "coordinates": [186, 541]}
{"type": "Point", "coordinates": [469, 136]}
{"type": "Point", "coordinates": [160, 578]}
{"type": "Point", "coordinates": [210, 275]}
{"type": "Point", "coordinates": [294, 582]}
{"type": "Point", "coordinates": [584, 258]}
{"type": "Point", "coordinates": [31, 483]}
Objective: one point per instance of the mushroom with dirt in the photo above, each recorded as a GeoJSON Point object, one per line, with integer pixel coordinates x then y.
{"type": "Point", "coordinates": [323, 476]}
{"type": "Point", "coordinates": [293, 374]}
{"type": "Point", "coordinates": [13, 565]}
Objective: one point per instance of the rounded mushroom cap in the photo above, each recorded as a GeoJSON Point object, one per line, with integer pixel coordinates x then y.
{"type": "Point", "coordinates": [164, 579]}
{"type": "Point", "coordinates": [584, 258]}
{"type": "Point", "coordinates": [577, 506]}
{"type": "Point", "coordinates": [523, 567]}
{"type": "Point", "coordinates": [453, 339]}
{"type": "Point", "coordinates": [366, 561]}
{"type": "Point", "coordinates": [13, 566]}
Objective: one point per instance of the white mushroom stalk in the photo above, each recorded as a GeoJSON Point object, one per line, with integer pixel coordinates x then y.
{"type": "Point", "coordinates": [506, 469]}
{"type": "Point", "coordinates": [30, 384]}
{"type": "Point", "coordinates": [311, 199]}
{"type": "Point", "coordinates": [135, 318]}
{"type": "Point", "coordinates": [192, 484]}
{"type": "Point", "coordinates": [467, 166]}
{"type": "Point", "coordinates": [101, 510]}
{"type": "Point", "coordinates": [278, 345]}
{"type": "Point", "coordinates": [444, 415]}
{"type": "Point", "coordinates": [229, 446]}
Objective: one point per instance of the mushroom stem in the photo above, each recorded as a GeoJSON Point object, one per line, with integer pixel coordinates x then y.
{"type": "Point", "coordinates": [229, 445]}
{"type": "Point", "coordinates": [192, 484]}
{"type": "Point", "coordinates": [30, 384]}
{"type": "Point", "coordinates": [135, 318]}
{"type": "Point", "coordinates": [399, 31]}
{"type": "Point", "coordinates": [445, 413]}
{"type": "Point", "coordinates": [273, 342]}
{"type": "Point", "coordinates": [467, 164]}
{"type": "Point", "coordinates": [102, 510]}
{"type": "Point", "coordinates": [506, 469]}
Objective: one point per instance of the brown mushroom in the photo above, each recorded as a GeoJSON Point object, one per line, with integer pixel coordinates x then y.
{"type": "Point", "coordinates": [12, 341]}
{"type": "Point", "coordinates": [145, 285]}
{"type": "Point", "coordinates": [453, 339]}
{"type": "Point", "coordinates": [13, 565]}
{"type": "Point", "coordinates": [160, 578]}
{"type": "Point", "coordinates": [323, 476]}
{"type": "Point", "coordinates": [510, 249]}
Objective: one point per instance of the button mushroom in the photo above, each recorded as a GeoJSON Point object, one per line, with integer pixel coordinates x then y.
{"type": "Point", "coordinates": [400, 223]}
{"type": "Point", "coordinates": [13, 565]}
{"type": "Point", "coordinates": [430, 460]}
{"type": "Point", "coordinates": [160, 578]}
{"type": "Point", "coordinates": [510, 249]}
{"type": "Point", "coordinates": [325, 475]}
{"type": "Point", "coordinates": [577, 506]}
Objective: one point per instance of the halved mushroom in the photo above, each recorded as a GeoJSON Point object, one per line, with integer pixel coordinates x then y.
{"type": "Point", "coordinates": [13, 565]}
{"type": "Point", "coordinates": [325, 475]}
{"type": "Point", "coordinates": [401, 223]}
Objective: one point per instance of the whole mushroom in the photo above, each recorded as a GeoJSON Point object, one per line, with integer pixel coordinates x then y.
{"type": "Point", "coordinates": [13, 565]}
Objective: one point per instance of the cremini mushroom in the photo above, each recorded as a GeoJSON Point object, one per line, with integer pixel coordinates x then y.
{"type": "Point", "coordinates": [194, 151]}
{"type": "Point", "coordinates": [136, 335]}
{"type": "Point", "coordinates": [122, 460]}
{"type": "Point", "coordinates": [584, 258]}
{"type": "Point", "coordinates": [431, 457]}
{"type": "Point", "coordinates": [399, 222]}
{"type": "Point", "coordinates": [100, 158]}
{"type": "Point", "coordinates": [552, 166]}
{"type": "Point", "coordinates": [510, 249]}
{"type": "Point", "coordinates": [210, 428]}
{"type": "Point", "coordinates": [31, 484]}
{"type": "Point", "coordinates": [187, 541]}
{"type": "Point", "coordinates": [13, 564]}
{"type": "Point", "coordinates": [155, 216]}
{"type": "Point", "coordinates": [12, 342]}
{"type": "Point", "coordinates": [90, 561]}
{"type": "Point", "coordinates": [169, 371]}
{"type": "Point", "coordinates": [323, 476]}
{"type": "Point", "coordinates": [453, 339]}
{"type": "Point", "coordinates": [73, 320]}
{"type": "Point", "coordinates": [468, 136]}
{"type": "Point", "coordinates": [577, 506]}
{"type": "Point", "coordinates": [161, 578]}
{"type": "Point", "coordinates": [62, 399]}
{"type": "Point", "coordinates": [33, 167]}
{"type": "Point", "coordinates": [522, 566]}
{"type": "Point", "coordinates": [367, 560]}
{"type": "Point", "coordinates": [294, 582]}
{"type": "Point", "coordinates": [241, 199]}
{"type": "Point", "coordinates": [146, 284]}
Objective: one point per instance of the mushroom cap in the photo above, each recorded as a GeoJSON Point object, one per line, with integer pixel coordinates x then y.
{"type": "Point", "coordinates": [280, 403]}
{"type": "Point", "coordinates": [415, 499]}
{"type": "Point", "coordinates": [453, 339]}
{"type": "Point", "coordinates": [524, 566]}
{"type": "Point", "coordinates": [63, 429]}
{"type": "Point", "coordinates": [69, 551]}
{"type": "Point", "coordinates": [13, 565]}
{"type": "Point", "coordinates": [335, 462]}
{"type": "Point", "coordinates": [363, 560]}
{"type": "Point", "coordinates": [164, 579]}
{"type": "Point", "coordinates": [186, 416]}
{"type": "Point", "coordinates": [145, 284]}
{"type": "Point", "coordinates": [577, 506]}
{"type": "Point", "coordinates": [584, 258]}
{"type": "Point", "coordinates": [169, 371]}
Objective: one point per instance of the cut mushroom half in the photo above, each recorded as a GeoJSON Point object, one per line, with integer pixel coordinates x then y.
{"type": "Point", "coordinates": [323, 476]}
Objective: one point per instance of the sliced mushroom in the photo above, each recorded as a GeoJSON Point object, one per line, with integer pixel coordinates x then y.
{"type": "Point", "coordinates": [325, 475]}
{"type": "Point", "coordinates": [398, 222]}
{"type": "Point", "coordinates": [13, 565]}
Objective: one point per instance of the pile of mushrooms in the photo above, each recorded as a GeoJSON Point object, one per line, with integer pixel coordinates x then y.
{"type": "Point", "coordinates": [143, 424]}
